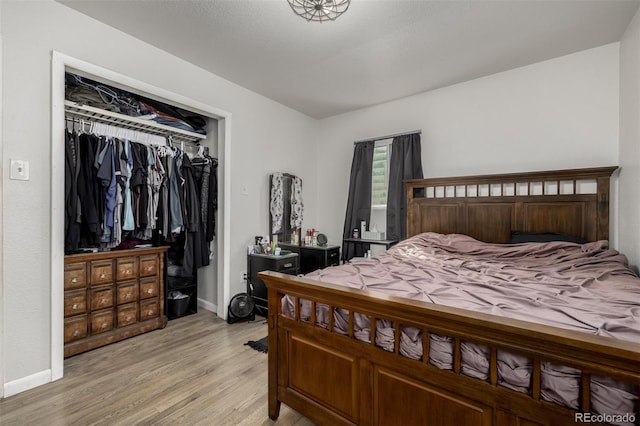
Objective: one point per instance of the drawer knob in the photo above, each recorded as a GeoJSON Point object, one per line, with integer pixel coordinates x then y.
{"type": "Point", "coordinates": [288, 265]}
{"type": "Point", "coordinates": [74, 279]}
{"type": "Point", "coordinates": [149, 290]}
{"type": "Point", "coordinates": [74, 306]}
{"type": "Point", "coordinates": [128, 318]}
{"type": "Point", "coordinates": [128, 271]}
{"type": "Point", "coordinates": [104, 325]}
{"type": "Point", "coordinates": [76, 333]}
{"type": "Point", "coordinates": [149, 268]}
{"type": "Point", "coordinates": [150, 313]}
{"type": "Point", "coordinates": [127, 296]}
{"type": "Point", "coordinates": [103, 300]}
{"type": "Point", "coordinates": [103, 275]}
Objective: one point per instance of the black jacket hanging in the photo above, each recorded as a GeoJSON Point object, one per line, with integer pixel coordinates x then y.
{"type": "Point", "coordinates": [196, 253]}
{"type": "Point", "coordinates": [138, 184]}
{"type": "Point", "coordinates": [88, 191]}
{"type": "Point", "coordinates": [71, 208]}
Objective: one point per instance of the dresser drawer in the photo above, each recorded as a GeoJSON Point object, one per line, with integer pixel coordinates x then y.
{"type": "Point", "coordinates": [126, 268]}
{"type": "Point", "coordinates": [286, 264]}
{"type": "Point", "coordinates": [127, 314]}
{"type": "Point", "coordinates": [149, 309]}
{"type": "Point", "coordinates": [75, 275]}
{"type": "Point", "coordinates": [75, 328]}
{"type": "Point", "coordinates": [101, 272]}
{"type": "Point", "coordinates": [148, 265]}
{"type": "Point", "coordinates": [101, 321]}
{"type": "Point", "coordinates": [126, 292]}
{"type": "Point", "coordinates": [148, 287]}
{"type": "Point", "coordinates": [101, 297]}
{"type": "Point", "coordinates": [75, 302]}
{"type": "Point", "coordinates": [333, 257]}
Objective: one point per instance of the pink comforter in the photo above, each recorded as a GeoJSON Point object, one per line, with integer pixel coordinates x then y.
{"type": "Point", "coordinates": [586, 287]}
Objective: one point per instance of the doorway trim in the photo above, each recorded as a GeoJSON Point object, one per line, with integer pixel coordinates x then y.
{"type": "Point", "coordinates": [61, 63]}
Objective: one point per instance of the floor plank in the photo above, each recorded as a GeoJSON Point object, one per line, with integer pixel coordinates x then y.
{"type": "Point", "coordinates": [196, 371]}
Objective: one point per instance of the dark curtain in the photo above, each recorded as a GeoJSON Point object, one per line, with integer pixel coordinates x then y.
{"type": "Point", "coordinates": [359, 202]}
{"type": "Point", "coordinates": [406, 163]}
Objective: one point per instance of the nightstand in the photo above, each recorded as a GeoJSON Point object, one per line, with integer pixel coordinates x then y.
{"type": "Point", "coordinates": [315, 257]}
{"type": "Point", "coordinates": [286, 264]}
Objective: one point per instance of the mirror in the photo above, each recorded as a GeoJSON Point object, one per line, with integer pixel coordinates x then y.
{"type": "Point", "coordinates": [285, 207]}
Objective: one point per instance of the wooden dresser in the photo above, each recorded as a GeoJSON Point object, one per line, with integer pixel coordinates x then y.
{"type": "Point", "coordinates": [110, 296]}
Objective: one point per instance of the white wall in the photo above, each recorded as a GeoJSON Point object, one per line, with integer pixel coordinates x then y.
{"type": "Point", "coordinates": [266, 137]}
{"type": "Point", "coordinates": [561, 113]}
{"type": "Point", "coordinates": [629, 216]}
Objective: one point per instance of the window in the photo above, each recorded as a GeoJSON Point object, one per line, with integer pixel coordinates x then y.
{"type": "Point", "coordinates": [380, 173]}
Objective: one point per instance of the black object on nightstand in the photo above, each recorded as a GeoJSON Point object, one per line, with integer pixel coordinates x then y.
{"type": "Point", "coordinates": [314, 257]}
{"type": "Point", "coordinates": [286, 264]}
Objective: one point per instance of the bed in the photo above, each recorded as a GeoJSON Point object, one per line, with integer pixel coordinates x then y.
{"type": "Point", "coordinates": [342, 353]}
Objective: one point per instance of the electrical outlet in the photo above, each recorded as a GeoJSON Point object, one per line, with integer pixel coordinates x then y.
{"type": "Point", "coordinates": [243, 276]}
{"type": "Point", "coordinates": [19, 170]}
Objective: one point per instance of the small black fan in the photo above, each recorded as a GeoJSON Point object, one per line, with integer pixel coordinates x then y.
{"type": "Point", "coordinates": [241, 308]}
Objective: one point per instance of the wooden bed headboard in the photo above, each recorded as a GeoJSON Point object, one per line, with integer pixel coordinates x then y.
{"type": "Point", "coordinates": [490, 207]}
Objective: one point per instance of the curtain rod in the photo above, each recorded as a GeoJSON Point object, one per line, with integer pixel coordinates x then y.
{"type": "Point", "coordinates": [389, 136]}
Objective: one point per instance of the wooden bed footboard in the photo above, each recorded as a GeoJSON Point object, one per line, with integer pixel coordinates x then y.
{"type": "Point", "coordinates": [336, 378]}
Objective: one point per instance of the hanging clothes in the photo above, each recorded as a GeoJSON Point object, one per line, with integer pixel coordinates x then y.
{"type": "Point", "coordinates": [277, 203]}
{"type": "Point", "coordinates": [196, 252]}
{"type": "Point", "coordinates": [72, 219]}
{"type": "Point", "coordinates": [107, 176]}
{"type": "Point", "coordinates": [297, 207]}
{"type": "Point", "coordinates": [126, 167]}
{"type": "Point", "coordinates": [139, 187]}
{"type": "Point", "coordinates": [89, 192]}
{"type": "Point", "coordinates": [213, 200]}
{"type": "Point", "coordinates": [118, 192]}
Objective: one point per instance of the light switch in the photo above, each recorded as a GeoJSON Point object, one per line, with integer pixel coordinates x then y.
{"type": "Point", "coordinates": [245, 189]}
{"type": "Point", "coordinates": [19, 170]}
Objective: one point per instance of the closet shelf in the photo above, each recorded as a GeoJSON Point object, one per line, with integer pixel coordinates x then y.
{"type": "Point", "coordinates": [85, 112]}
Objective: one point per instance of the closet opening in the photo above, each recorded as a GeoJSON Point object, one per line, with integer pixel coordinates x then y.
{"type": "Point", "coordinates": [143, 124]}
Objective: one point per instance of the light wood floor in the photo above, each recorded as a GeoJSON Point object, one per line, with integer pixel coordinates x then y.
{"type": "Point", "coordinates": [196, 371]}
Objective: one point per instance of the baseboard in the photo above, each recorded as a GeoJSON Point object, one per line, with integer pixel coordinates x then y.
{"type": "Point", "coordinates": [25, 383]}
{"type": "Point", "coordinates": [206, 305]}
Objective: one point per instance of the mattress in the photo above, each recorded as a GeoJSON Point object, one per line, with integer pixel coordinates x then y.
{"type": "Point", "coordinates": [584, 287]}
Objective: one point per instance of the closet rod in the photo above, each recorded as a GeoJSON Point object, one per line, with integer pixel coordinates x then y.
{"type": "Point", "coordinates": [389, 136]}
{"type": "Point", "coordinates": [109, 117]}
{"type": "Point", "coordinates": [171, 140]}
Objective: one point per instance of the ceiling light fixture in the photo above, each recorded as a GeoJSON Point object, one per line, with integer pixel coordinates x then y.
{"type": "Point", "coordinates": [319, 10]}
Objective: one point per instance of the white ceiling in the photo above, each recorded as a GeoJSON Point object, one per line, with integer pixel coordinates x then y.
{"type": "Point", "coordinates": [379, 50]}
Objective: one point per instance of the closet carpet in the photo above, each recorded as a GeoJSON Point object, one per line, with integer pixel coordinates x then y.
{"type": "Point", "coordinates": [196, 371]}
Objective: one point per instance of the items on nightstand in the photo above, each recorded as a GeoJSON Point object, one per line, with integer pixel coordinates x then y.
{"type": "Point", "coordinates": [373, 234]}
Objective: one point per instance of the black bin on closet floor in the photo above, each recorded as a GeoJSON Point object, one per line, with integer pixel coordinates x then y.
{"type": "Point", "coordinates": [181, 306]}
{"type": "Point", "coordinates": [178, 307]}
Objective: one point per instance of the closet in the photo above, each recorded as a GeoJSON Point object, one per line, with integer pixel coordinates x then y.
{"type": "Point", "coordinates": [140, 212]}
